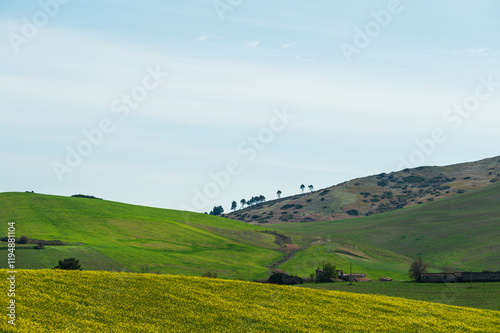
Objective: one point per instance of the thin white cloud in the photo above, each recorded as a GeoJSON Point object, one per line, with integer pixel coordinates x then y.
{"type": "Point", "coordinates": [252, 44]}
{"type": "Point", "coordinates": [477, 52]}
{"type": "Point", "coordinates": [286, 46]}
{"type": "Point", "coordinates": [203, 38]}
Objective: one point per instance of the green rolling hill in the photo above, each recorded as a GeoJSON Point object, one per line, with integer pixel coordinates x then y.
{"type": "Point", "coordinates": [461, 232]}
{"type": "Point", "coordinates": [113, 236]}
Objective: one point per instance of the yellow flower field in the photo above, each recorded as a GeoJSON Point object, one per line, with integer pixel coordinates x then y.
{"type": "Point", "coordinates": [87, 301]}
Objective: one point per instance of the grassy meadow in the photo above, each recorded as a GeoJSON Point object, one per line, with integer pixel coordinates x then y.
{"type": "Point", "coordinates": [460, 232]}
{"type": "Point", "coordinates": [114, 236]}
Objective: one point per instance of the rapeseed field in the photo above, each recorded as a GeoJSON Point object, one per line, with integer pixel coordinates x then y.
{"type": "Point", "coordinates": [91, 301]}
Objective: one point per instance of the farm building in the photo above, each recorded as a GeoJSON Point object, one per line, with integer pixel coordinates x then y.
{"type": "Point", "coordinates": [441, 277]}
{"type": "Point", "coordinates": [359, 277]}
{"type": "Point", "coordinates": [462, 277]}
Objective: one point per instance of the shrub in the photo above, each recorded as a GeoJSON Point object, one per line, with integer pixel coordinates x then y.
{"type": "Point", "coordinates": [69, 264]}
{"type": "Point", "coordinates": [287, 206]}
{"type": "Point", "coordinates": [383, 183]}
{"type": "Point", "coordinates": [85, 196]}
{"type": "Point", "coordinates": [283, 278]}
{"type": "Point", "coordinates": [413, 179]}
{"type": "Point", "coordinates": [24, 240]}
{"type": "Point", "coordinates": [210, 275]}
{"type": "Point", "coordinates": [353, 212]}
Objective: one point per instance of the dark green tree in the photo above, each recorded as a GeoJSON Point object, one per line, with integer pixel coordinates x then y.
{"type": "Point", "coordinates": [217, 211]}
{"type": "Point", "coordinates": [278, 194]}
{"type": "Point", "coordinates": [329, 273]}
{"type": "Point", "coordinates": [234, 205]}
{"type": "Point", "coordinates": [302, 187]}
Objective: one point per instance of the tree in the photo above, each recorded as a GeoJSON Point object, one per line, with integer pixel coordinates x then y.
{"type": "Point", "coordinates": [311, 188]}
{"type": "Point", "coordinates": [234, 205]}
{"type": "Point", "coordinates": [417, 270]}
{"type": "Point", "coordinates": [302, 187]}
{"type": "Point", "coordinates": [329, 273]}
{"type": "Point", "coordinates": [243, 202]}
{"type": "Point", "coordinates": [69, 264]}
{"type": "Point", "coordinates": [217, 211]}
{"type": "Point", "coordinates": [279, 194]}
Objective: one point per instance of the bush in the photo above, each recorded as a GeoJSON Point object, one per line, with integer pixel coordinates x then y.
{"type": "Point", "coordinates": [24, 240]}
{"type": "Point", "coordinates": [383, 183]}
{"type": "Point", "coordinates": [40, 245]}
{"type": "Point", "coordinates": [85, 196]}
{"type": "Point", "coordinates": [284, 279]}
{"type": "Point", "coordinates": [413, 179]}
{"type": "Point", "coordinates": [69, 264]}
{"type": "Point", "coordinates": [353, 212]}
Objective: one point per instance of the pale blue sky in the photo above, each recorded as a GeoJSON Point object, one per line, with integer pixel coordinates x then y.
{"type": "Point", "coordinates": [228, 73]}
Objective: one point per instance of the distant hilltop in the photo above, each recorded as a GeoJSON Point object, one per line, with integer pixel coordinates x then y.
{"type": "Point", "coordinates": [375, 194]}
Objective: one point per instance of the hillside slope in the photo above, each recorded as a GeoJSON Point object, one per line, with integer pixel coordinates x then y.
{"type": "Point", "coordinates": [115, 236]}
{"type": "Point", "coordinates": [375, 194]}
{"type": "Point", "coordinates": [62, 301]}
{"type": "Point", "coordinates": [460, 232]}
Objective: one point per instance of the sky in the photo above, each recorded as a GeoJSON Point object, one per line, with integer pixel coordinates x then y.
{"type": "Point", "coordinates": [191, 104]}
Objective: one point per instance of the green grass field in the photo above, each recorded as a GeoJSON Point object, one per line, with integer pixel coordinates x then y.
{"type": "Point", "coordinates": [460, 232]}
{"type": "Point", "coordinates": [118, 236]}
{"type": "Point", "coordinates": [480, 296]}
{"type": "Point", "coordinates": [372, 261]}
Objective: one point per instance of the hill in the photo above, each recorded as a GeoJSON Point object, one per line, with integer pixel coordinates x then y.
{"type": "Point", "coordinates": [375, 194]}
{"type": "Point", "coordinates": [63, 301]}
{"type": "Point", "coordinates": [460, 232]}
{"type": "Point", "coordinates": [113, 236]}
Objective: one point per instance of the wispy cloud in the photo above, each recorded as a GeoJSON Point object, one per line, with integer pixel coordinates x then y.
{"type": "Point", "coordinates": [203, 38]}
{"type": "Point", "coordinates": [252, 44]}
{"type": "Point", "coordinates": [477, 52]}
